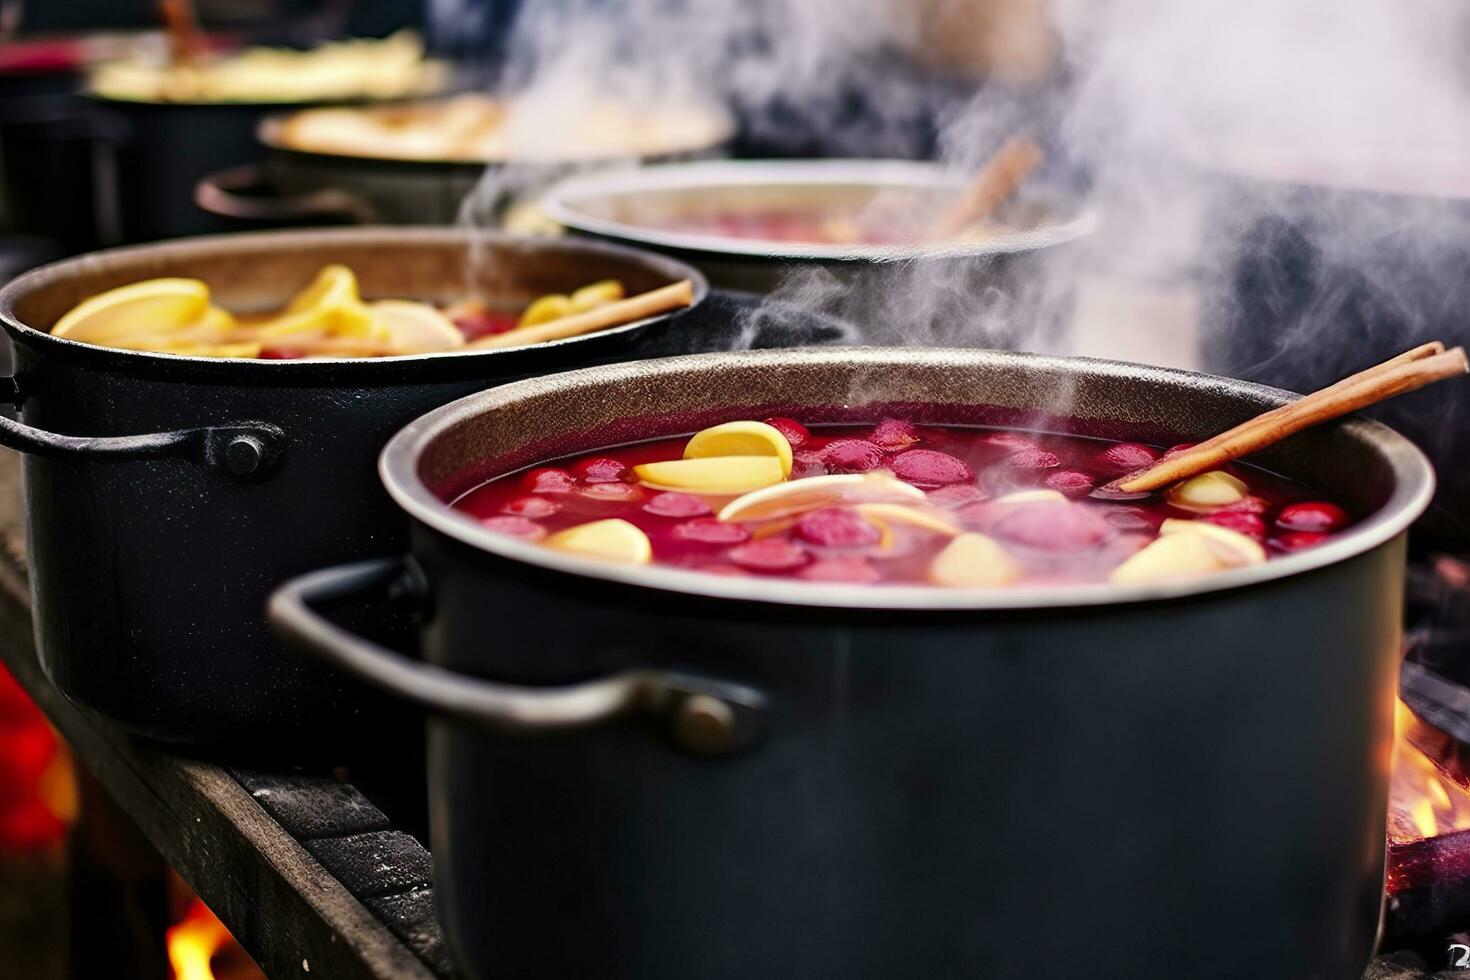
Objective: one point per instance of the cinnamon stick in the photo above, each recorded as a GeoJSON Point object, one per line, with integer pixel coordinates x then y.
{"type": "Point", "coordinates": [652, 303]}
{"type": "Point", "coordinates": [1407, 372]}
{"type": "Point", "coordinates": [996, 182]}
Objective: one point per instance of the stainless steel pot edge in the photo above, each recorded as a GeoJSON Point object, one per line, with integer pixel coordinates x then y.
{"type": "Point", "coordinates": [560, 204]}
{"type": "Point", "coordinates": [246, 243]}
{"type": "Point", "coordinates": [1413, 488]}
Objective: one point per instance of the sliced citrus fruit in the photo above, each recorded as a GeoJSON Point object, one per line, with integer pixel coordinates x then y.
{"type": "Point", "coordinates": [416, 328]}
{"type": "Point", "coordinates": [545, 309]}
{"type": "Point", "coordinates": [597, 294]}
{"type": "Point", "coordinates": [718, 475]}
{"type": "Point", "coordinates": [1207, 491]}
{"type": "Point", "coordinates": [741, 439]}
{"type": "Point", "coordinates": [786, 499]}
{"type": "Point", "coordinates": [334, 285]}
{"type": "Point", "coordinates": [610, 540]}
{"type": "Point", "coordinates": [928, 520]}
{"type": "Point", "coordinates": [330, 305]}
{"type": "Point", "coordinates": [152, 306]}
{"type": "Point", "coordinates": [973, 561]}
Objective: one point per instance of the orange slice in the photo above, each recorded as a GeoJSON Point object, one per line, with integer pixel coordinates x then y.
{"type": "Point", "coordinates": [716, 476]}
{"type": "Point", "coordinates": [741, 439]}
{"type": "Point", "coordinates": [973, 561]}
{"type": "Point", "coordinates": [786, 499]}
{"type": "Point", "coordinates": [416, 328]}
{"type": "Point", "coordinates": [152, 306]}
{"type": "Point", "coordinates": [610, 540]}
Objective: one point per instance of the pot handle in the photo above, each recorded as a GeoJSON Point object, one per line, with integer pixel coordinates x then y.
{"type": "Point", "coordinates": [246, 451]}
{"type": "Point", "coordinates": [224, 194]}
{"type": "Point", "coordinates": [705, 716]}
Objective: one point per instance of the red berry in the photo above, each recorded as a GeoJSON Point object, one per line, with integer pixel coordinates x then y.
{"type": "Point", "coordinates": [894, 434]}
{"type": "Point", "coordinates": [707, 530]}
{"type": "Point", "coordinates": [851, 456]}
{"type": "Point", "coordinates": [837, 527]}
{"type": "Point", "coordinates": [1033, 459]}
{"type": "Point", "coordinates": [807, 463]}
{"type": "Point", "coordinates": [769, 555]}
{"type": "Point", "coordinates": [1073, 483]}
{"type": "Point", "coordinates": [677, 505]}
{"type": "Point", "coordinates": [600, 469]}
{"type": "Point", "coordinates": [1251, 525]}
{"type": "Point", "coordinates": [1009, 440]}
{"type": "Point", "coordinates": [516, 526]}
{"type": "Point", "coordinates": [855, 570]}
{"type": "Point", "coordinates": [1297, 540]}
{"type": "Point", "coordinates": [956, 495]}
{"type": "Point", "coordinates": [1052, 526]}
{"type": "Point", "coordinates": [548, 479]}
{"type": "Point", "coordinates": [1125, 457]}
{"type": "Point", "coordinates": [532, 507]}
{"type": "Point", "coordinates": [926, 468]}
{"type": "Point", "coordinates": [1249, 504]}
{"type": "Point", "coordinates": [1312, 515]}
{"type": "Point", "coordinates": [614, 493]}
{"type": "Point", "coordinates": [796, 433]}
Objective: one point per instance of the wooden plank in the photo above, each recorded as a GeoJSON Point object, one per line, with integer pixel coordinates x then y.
{"type": "Point", "coordinates": [295, 919]}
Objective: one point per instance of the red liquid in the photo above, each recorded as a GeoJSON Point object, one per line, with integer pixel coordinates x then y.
{"type": "Point", "coordinates": [962, 470]}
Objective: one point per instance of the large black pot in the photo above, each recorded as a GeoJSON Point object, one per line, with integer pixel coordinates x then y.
{"type": "Point", "coordinates": [185, 488]}
{"type": "Point", "coordinates": [1184, 780]}
{"type": "Point", "coordinates": [297, 186]}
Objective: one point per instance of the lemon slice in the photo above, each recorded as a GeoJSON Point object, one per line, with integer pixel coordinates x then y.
{"type": "Point", "coordinates": [152, 306]}
{"type": "Point", "coordinates": [716, 476]}
{"type": "Point", "coordinates": [597, 294]}
{"type": "Point", "coordinates": [546, 309]}
{"type": "Point", "coordinates": [904, 514]}
{"type": "Point", "coordinates": [741, 439]}
{"type": "Point", "coordinates": [610, 540]}
{"type": "Point", "coordinates": [416, 328]}
{"type": "Point", "coordinates": [335, 285]}
{"type": "Point", "coordinates": [786, 499]}
{"type": "Point", "coordinates": [1207, 491]}
{"type": "Point", "coordinates": [973, 561]}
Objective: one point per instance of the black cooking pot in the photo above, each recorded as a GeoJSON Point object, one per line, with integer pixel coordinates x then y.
{"type": "Point", "coordinates": [298, 186]}
{"type": "Point", "coordinates": [1184, 780]}
{"type": "Point", "coordinates": [186, 488]}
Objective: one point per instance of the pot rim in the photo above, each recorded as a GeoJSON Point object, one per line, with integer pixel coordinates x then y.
{"type": "Point", "coordinates": [561, 204]}
{"type": "Point", "coordinates": [398, 469]}
{"type": "Point", "coordinates": [248, 243]}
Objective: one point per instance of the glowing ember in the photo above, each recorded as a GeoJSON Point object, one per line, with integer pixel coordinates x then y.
{"type": "Point", "coordinates": [193, 941]}
{"type": "Point", "coordinates": [1424, 800]}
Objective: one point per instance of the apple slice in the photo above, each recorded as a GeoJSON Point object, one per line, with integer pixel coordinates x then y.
{"type": "Point", "coordinates": [1207, 491]}
{"type": "Point", "coordinates": [610, 540]}
{"type": "Point", "coordinates": [741, 439]}
{"type": "Point", "coordinates": [715, 476]}
{"type": "Point", "coordinates": [797, 496]}
{"type": "Point", "coordinates": [416, 328]}
{"type": "Point", "coordinates": [973, 561]}
{"type": "Point", "coordinates": [1231, 547]}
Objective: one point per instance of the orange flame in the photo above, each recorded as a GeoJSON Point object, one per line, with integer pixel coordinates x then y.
{"type": "Point", "coordinates": [1425, 801]}
{"type": "Point", "coordinates": [193, 941]}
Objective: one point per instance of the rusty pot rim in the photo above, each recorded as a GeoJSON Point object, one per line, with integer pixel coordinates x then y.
{"type": "Point", "coordinates": [1413, 486]}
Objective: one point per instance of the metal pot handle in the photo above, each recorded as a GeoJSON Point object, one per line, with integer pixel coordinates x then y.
{"type": "Point", "coordinates": [248, 450]}
{"type": "Point", "coordinates": [222, 194]}
{"type": "Point", "coordinates": [705, 716]}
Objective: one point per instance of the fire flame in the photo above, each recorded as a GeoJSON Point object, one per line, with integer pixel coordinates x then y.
{"type": "Point", "coordinates": [193, 941]}
{"type": "Point", "coordinates": [1425, 799]}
